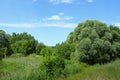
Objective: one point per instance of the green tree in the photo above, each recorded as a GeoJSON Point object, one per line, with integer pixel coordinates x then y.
{"type": "Point", "coordinates": [96, 42]}
{"type": "Point", "coordinates": [23, 43]}
{"type": "Point", "coordinates": [4, 45]}
{"type": "Point", "coordinates": [46, 52]}
{"type": "Point", "coordinates": [70, 38]}
{"type": "Point", "coordinates": [64, 50]}
{"type": "Point", "coordinates": [39, 47]}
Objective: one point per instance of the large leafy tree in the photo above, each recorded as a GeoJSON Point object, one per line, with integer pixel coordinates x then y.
{"type": "Point", "coordinates": [4, 45]}
{"type": "Point", "coordinates": [23, 43]}
{"type": "Point", "coordinates": [96, 42]}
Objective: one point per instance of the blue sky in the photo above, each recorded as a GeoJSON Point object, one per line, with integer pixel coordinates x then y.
{"type": "Point", "coordinates": [50, 21]}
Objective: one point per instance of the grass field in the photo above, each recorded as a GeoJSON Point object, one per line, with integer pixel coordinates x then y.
{"type": "Point", "coordinates": [27, 68]}
{"type": "Point", "coordinates": [20, 68]}
{"type": "Point", "coordinates": [110, 71]}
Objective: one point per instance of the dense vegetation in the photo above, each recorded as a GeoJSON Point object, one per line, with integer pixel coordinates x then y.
{"type": "Point", "coordinates": [96, 42]}
{"type": "Point", "coordinates": [110, 71]}
{"type": "Point", "coordinates": [92, 42]}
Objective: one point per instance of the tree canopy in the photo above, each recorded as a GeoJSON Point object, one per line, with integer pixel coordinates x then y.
{"type": "Point", "coordinates": [95, 42]}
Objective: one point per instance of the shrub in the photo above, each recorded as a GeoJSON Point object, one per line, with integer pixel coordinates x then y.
{"type": "Point", "coordinates": [73, 67]}
{"type": "Point", "coordinates": [1, 55]}
{"type": "Point", "coordinates": [17, 55]}
{"type": "Point", "coordinates": [52, 67]}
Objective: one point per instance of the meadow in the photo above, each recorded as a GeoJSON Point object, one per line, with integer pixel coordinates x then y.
{"type": "Point", "coordinates": [110, 71]}
{"type": "Point", "coordinates": [27, 68]}
{"type": "Point", "coordinates": [20, 68]}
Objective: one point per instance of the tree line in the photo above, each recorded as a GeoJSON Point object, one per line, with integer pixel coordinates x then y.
{"type": "Point", "coordinates": [92, 41]}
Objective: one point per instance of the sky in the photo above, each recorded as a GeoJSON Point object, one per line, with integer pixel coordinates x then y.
{"type": "Point", "coordinates": [50, 21]}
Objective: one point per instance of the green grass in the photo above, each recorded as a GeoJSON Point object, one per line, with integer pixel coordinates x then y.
{"type": "Point", "coordinates": [20, 68]}
{"type": "Point", "coordinates": [27, 68]}
{"type": "Point", "coordinates": [110, 71]}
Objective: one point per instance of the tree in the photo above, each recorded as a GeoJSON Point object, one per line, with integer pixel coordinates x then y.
{"type": "Point", "coordinates": [70, 38]}
{"type": "Point", "coordinates": [96, 42]}
{"type": "Point", "coordinates": [4, 45]}
{"type": "Point", "coordinates": [39, 47]}
{"type": "Point", "coordinates": [23, 43]}
{"type": "Point", "coordinates": [114, 28]}
{"type": "Point", "coordinates": [64, 50]}
{"type": "Point", "coordinates": [46, 52]}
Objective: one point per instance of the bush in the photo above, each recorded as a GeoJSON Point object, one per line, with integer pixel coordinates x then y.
{"type": "Point", "coordinates": [52, 67]}
{"type": "Point", "coordinates": [1, 55]}
{"type": "Point", "coordinates": [17, 55]}
{"type": "Point", "coordinates": [64, 50]}
{"type": "Point", "coordinates": [47, 51]}
{"type": "Point", "coordinates": [73, 67]}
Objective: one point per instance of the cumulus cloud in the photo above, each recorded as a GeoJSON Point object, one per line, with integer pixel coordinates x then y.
{"type": "Point", "coordinates": [60, 1]}
{"type": "Point", "coordinates": [60, 16]}
{"type": "Point", "coordinates": [57, 17]}
{"type": "Point", "coordinates": [54, 17]}
{"type": "Point", "coordinates": [59, 20]}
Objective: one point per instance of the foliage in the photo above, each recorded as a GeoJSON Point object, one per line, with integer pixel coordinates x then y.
{"type": "Point", "coordinates": [108, 71]}
{"type": "Point", "coordinates": [115, 28]}
{"type": "Point", "coordinates": [47, 51]}
{"type": "Point", "coordinates": [53, 67]}
{"type": "Point", "coordinates": [5, 48]}
{"type": "Point", "coordinates": [39, 47]}
{"type": "Point", "coordinates": [23, 43]}
{"type": "Point", "coordinates": [73, 67]}
{"type": "Point", "coordinates": [17, 55]}
{"type": "Point", "coordinates": [20, 68]}
{"type": "Point", "coordinates": [70, 38]}
{"type": "Point", "coordinates": [91, 42]}
{"type": "Point", "coordinates": [64, 50]}
{"type": "Point", "coordinates": [95, 42]}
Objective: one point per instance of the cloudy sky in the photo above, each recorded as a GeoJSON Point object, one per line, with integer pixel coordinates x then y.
{"type": "Point", "coordinates": [50, 21]}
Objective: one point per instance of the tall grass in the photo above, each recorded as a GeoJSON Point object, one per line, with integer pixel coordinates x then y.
{"type": "Point", "coordinates": [110, 71]}
{"type": "Point", "coordinates": [28, 68]}
{"type": "Point", "coordinates": [20, 68]}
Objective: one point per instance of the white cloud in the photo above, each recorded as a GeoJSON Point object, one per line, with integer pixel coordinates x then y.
{"type": "Point", "coordinates": [60, 16]}
{"type": "Point", "coordinates": [60, 1]}
{"type": "Point", "coordinates": [27, 25]}
{"type": "Point", "coordinates": [70, 1]}
{"type": "Point", "coordinates": [59, 20]}
{"type": "Point", "coordinates": [54, 17]}
{"type": "Point", "coordinates": [39, 24]}
{"type": "Point", "coordinates": [60, 24]}
{"type": "Point", "coordinates": [90, 1]}
{"type": "Point", "coordinates": [117, 24]}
